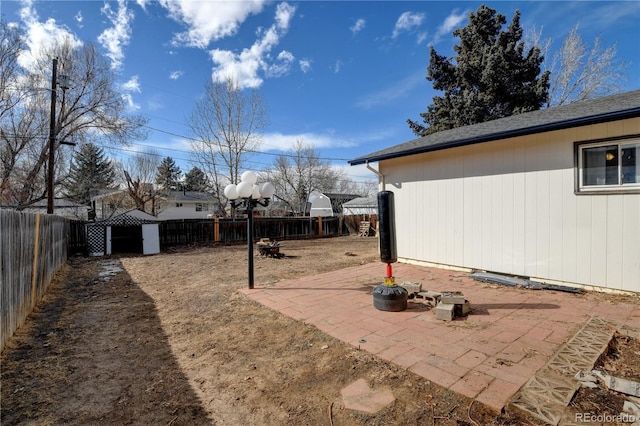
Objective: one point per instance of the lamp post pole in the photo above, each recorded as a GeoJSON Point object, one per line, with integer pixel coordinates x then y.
{"type": "Point", "coordinates": [248, 194]}
{"type": "Point", "coordinates": [52, 136]}
{"type": "Point", "coordinates": [250, 206]}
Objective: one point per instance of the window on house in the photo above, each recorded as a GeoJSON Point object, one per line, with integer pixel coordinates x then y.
{"type": "Point", "coordinates": [609, 165]}
{"type": "Point", "coordinates": [199, 207]}
{"type": "Point", "coordinates": [178, 204]}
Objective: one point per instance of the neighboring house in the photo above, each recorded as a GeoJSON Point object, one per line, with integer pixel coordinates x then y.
{"type": "Point", "coordinates": [170, 205]}
{"type": "Point", "coordinates": [61, 207]}
{"type": "Point", "coordinates": [187, 205]}
{"type": "Point", "coordinates": [553, 195]}
{"type": "Point", "coordinates": [107, 203]}
{"type": "Point", "coordinates": [328, 204]}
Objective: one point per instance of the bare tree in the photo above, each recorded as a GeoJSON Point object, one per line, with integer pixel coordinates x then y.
{"type": "Point", "coordinates": [228, 124]}
{"type": "Point", "coordinates": [139, 174]}
{"type": "Point", "coordinates": [301, 171]}
{"type": "Point", "coordinates": [92, 109]}
{"type": "Point", "coordinates": [580, 72]}
{"type": "Point", "coordinates": [11, 44]}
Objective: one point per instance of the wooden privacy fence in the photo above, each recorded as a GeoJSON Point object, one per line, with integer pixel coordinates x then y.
{"type": "Point", "coordinates": [33, 247]}
{"type": "Point", "coordinates": [203, 231]}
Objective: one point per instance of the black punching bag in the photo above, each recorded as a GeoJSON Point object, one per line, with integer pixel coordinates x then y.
{"type": "Point", "coordinates": [387, 227]}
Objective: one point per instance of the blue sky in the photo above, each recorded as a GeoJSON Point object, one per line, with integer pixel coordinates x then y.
{"type": "Point", "coordinates": [341, 75]}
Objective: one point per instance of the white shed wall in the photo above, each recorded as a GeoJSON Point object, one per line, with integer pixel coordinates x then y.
{"type": "Point", "coordinates": [509, 206]}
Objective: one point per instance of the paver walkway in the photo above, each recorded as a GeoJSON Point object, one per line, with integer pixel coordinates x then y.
{"type": "Point", "coordinates": [510, 334]}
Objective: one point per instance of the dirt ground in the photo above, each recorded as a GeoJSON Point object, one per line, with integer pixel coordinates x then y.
{"type": "Point", "coordinates": [167, 340]}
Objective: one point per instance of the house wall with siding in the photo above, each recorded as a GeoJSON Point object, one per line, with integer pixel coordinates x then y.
{"type": "Point", "coordinates": [509, 206]}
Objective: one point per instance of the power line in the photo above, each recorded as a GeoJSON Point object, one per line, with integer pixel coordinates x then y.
{"type": "Point", "coordinates": [252, 151]}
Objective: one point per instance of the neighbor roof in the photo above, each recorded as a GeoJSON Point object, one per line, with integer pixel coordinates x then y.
{"type": "Point", "coordinates": [188, 196]}
{"type": "Point", "coordinates": [610, 108]}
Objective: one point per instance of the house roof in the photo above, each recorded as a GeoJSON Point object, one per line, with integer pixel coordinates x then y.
{"type": "Point", "coordinates": [600, 110]}
{"type": "Point", "coordinates": [57, 203]}
{"type": "Point", "coordinates": [129, 218]}
{"type": "Point", "coordinates": [362, 202]}
{"type": "Point", "coordinates": [188, 196]}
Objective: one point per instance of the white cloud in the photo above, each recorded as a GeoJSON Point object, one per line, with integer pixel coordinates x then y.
{"type": "Point", "coordinates": [79, 18]}
{"type": "Point", "coordinates": [337, 66]}
{"type": "Point", "coordinates": [175, 75]}
{"type": "Point", "coordinates": [358, 26]}
{"type": "Point", "coordinates": [395, 91]}
{"type": "Point", "coordinates": [282, 66]}
{"type": "Point", "coordinates": [245, 66]}
{"type": "Point", "coordinates": [41, 35]}
{"type": "Point", "coordinates": [450, 23]}
{"type": "Point", "coordinates": [113, 39]}
{"type": "Point", "coordinates": [132, 85]}
{"type": "Point", "coordinates": [128, 88]}
{"type": "Point", "coordinates": [407, 22]}
{"type": "Point", "coordinates": [208, 21]}
{"type": "Point", "coordinates": [359, 173]}
{"type": "Point", "coordinates": [281, 142]}
{"type": "Point", "coordinates": [143, 4]}
{"type": "Point", "coordinates": [305, 65]}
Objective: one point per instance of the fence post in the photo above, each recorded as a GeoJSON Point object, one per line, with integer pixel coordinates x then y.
{"type": "Point", "coordinates": [34, 274]}
{"type": "Point", "coordinates": [216, 229]}
{"type": "Point", "coordinates": [320, 226]}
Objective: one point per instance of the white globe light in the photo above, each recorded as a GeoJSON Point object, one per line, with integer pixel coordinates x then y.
{"type": "Point", "coordinates": [245, 189]}
{"type": "Point", "coordinates": [249, 177]}
{"type": "Point", "coordinates": [267, 190]}
{"type": "Point", "coordinates": [231, 192]}
{"type": "Point", "coordinates": [255, 192]}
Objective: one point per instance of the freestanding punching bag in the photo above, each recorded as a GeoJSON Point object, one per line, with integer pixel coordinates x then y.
{"type": "Point", "coordinates": [387, 227]}
{"type": "Point", "coordinates": [388, 296]}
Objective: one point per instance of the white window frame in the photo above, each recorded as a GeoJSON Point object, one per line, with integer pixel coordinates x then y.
{"type": "Point", "coordinates": [606, 188]}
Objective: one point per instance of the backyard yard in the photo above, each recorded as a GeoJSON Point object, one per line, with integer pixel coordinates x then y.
{"type": "Point", "coordinates": [168, 340]}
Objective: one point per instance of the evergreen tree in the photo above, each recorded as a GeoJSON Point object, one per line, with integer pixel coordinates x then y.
{"type": "Point", "coordinates": [491, 76]}
{"type": "Point", "coordinates": [196, 180]}
{"type": "Point", "coordinates": [89, 171]}
{"type": "Point", "coordinates": [168, 175]}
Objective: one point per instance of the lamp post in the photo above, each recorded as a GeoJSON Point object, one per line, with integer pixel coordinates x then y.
{"type": "Point", "coordinates": [63, 82]}
{"type": "Point", "coordinates": [248, 194]}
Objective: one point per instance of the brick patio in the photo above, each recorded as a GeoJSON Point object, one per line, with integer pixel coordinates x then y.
{"type": "Point", "coordinates": [510, 334]}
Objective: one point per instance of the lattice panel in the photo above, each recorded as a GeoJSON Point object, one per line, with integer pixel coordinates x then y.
{"type": "Point", "coordinates": [95, 239]}
{"type": "Point", "coordinates": [547, 394]}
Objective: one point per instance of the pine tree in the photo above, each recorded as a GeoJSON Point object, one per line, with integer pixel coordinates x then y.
{"type": "Point", "coordinates": [89, 171]}
{"type": "Point", "coordinates": [196, 180]}
{"type": "Point", "coordinates": [168, 175]}
{"type": "Point", "coordinates": [491, 76]}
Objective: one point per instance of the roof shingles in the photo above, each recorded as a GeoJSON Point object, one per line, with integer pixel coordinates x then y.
{"type": "Point", "coordinates": [615, 107]}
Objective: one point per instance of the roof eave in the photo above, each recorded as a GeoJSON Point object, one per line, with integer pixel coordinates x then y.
{"type": "Point", "coordinates": [575, 122]}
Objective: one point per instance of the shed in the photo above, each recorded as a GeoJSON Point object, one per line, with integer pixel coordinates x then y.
{"type": "Point", "coordinates": [361, 206]}
{"type": "Point", "coordinates": [328, 204]}
{"type": "Point", "coordinates": [131, 232]}
{"type": "Point", "coordinates": [552, 195]}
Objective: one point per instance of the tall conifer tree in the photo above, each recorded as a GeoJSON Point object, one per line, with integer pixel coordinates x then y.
{"type": "Point", "coordinates": [491, 76]}
{"type": "Point", "coordinates": [169, 174]}
{"type": "Point", "coordinates": [90, 171]}
{"type": "Point", "coordinates": [196, 180]}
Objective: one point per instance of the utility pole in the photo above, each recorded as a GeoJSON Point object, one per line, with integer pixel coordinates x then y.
{"type": "Point", "coordinates": [52, 136]}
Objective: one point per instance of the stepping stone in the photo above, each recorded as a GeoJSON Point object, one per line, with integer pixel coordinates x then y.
{"type": "Point", "coordinates": [359, 396]}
